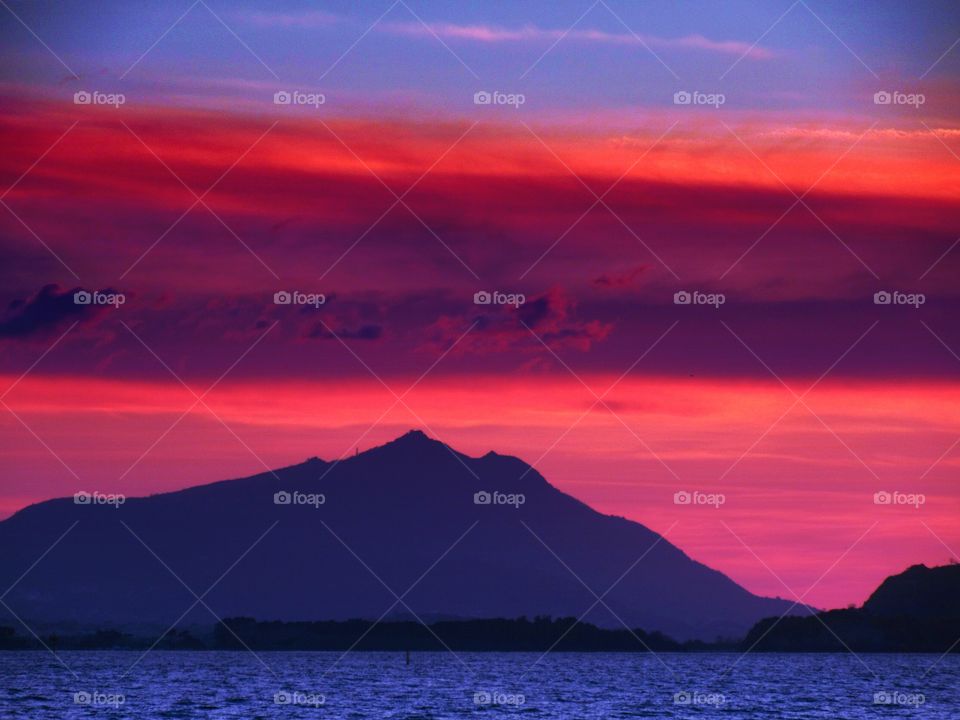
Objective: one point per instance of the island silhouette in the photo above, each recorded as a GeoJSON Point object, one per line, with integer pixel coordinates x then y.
{"type": "Point", "coordinates": [410, 529]}
{"type": "Point", "coordinates": [409, 545]}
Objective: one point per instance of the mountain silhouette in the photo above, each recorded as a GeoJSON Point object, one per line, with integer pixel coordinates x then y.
{"type": "Point", "coordinates": [915, 611]}
{"type": "Point", "coordinates": [918, 592]}
{"type": "Point", "coordinates": [342, 540]}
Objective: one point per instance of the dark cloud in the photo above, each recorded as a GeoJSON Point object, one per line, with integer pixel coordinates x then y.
{"type": "Point", "coordinates": [620, 279]}
{"type": "Point", "coordinates": [52, 309]}
{"type": "Point", "coordinates": [363, 332]}
{"type": "Point", "coordinates": [503, 329]}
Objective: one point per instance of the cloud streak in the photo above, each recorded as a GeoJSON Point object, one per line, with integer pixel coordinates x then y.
{"type": "Point", "coordinates": [531, 33]}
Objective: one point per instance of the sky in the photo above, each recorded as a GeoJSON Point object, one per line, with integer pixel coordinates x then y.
{"type": "Point", "coordinates": [150, 157]}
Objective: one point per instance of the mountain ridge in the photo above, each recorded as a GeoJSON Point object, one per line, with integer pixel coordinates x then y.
{"type": "Point", "coordinates": [408, 506]}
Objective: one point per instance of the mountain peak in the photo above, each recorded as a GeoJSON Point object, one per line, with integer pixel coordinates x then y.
{"type": "Point", "coordinates": [414, 436]}
{"type": "Point", "coordinates": [414, 439]}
